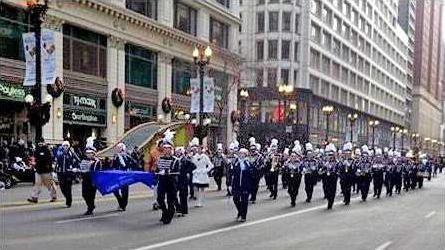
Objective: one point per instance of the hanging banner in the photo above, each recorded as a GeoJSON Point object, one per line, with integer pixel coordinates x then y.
{"type": "Point", "coordinates": [195, 98]}
{"type": "Point", "coordinates": [29, 47]}
{"type": "Point", "coordinates": [209, 95]}
{"type": "Point", "coordinates": [48, 48]}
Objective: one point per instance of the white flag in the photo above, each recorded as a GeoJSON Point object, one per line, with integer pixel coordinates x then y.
{"type": "Point", "coordinates": [48, 48]}
{"type": "Point", "coordinates": [29, 47]}
{"type": "Point", "coordinates": [209, 95]}
{"type": "Point", "coordinates": [195, 98]}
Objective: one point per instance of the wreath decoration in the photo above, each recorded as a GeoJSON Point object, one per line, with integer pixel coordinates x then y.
{"type": "Point", "coordinates": [117, 97]}
{"type": "Point", "coordinates": [166, 105]}
{"type": "Point", "coordinates": [56, 89]}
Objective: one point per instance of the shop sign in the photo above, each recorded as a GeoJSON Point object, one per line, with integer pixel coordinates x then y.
{"type": "Point", "coordinates": [139, 110]}
{"type": "Point", "coordinates": [81, 117]}
{"type": "Point", "coordinates": [16, 93]}
{"type": "Point", "coordinates": [83, 101]}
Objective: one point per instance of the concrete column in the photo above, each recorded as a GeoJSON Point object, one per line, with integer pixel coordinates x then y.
{"type": "Point", "coordinates": [203, 25]}
{"type": "Point", "coordinates": [164, 83]}
{"type": "Point", "coordinates": [53, 130]}
{"type": "Point", "coordinates": [166, 12]}
{"type": "Point", "coordinates": [232, 101]}
{"type": "Point", "coordinates": [305, 29]}
{"type": "Point", "coordinates": [115, 79]}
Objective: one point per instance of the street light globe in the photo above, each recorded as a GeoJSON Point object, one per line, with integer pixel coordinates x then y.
{"type": "Point", "coordinates": [29, 99]}
{"type": "Point", "coordinates": [281, 88]}
{"type": "Point", "coordinates": [208, 52]}
{"type": "Point", "coordinates": [194, 121]}
{"type": "Point", "coordinates": [293, 106]}
{"type": "Point", "coordinates": [48, 99]}
{"type": "Point", "coordinates": [376, 123]}
{"type": "Point", "coordinates": [289, 89]}
{"type": "Point", "coordinates": [187, 116]}
{"type": "Point", "coordinates": [207, 121]}
{"type": "Point", "coordinates": [195, 52]}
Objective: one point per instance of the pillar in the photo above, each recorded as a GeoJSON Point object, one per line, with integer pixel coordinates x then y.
{"type": "Point", "coordinates": [52, 132]}
{"type": "Point", "coordinates": [232, 101]}
{"type": "Point", "coordinates": [164, 84]}
{"type": "Point", "coordinates": [166, 15]}
{"type": "Point", "coordinates": [115, 79]}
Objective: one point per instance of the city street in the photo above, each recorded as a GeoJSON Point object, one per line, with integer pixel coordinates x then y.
{"type": "Point", "coordinates": [413, 220]}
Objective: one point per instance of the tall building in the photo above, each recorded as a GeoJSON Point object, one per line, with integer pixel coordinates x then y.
{"type": "Point", "coordinates": [143, 48]}
{"type": "Point", "coordinates": [349, 54]}
{"type": "Point", "coordinates": [427, 84]}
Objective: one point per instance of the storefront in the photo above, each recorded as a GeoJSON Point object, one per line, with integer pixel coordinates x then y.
{"type": "Point", "coordinates": [137, 113]}
{"type": "Point", "coordinates": [83, 116]}
{"type": "Point", "coordinates": [13, 115]}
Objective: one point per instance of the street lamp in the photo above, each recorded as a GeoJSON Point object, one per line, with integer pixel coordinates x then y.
{"type": "Point", "coordinates": [394, 131]}
{"type": "Point", "coordinates": [404, 133]}
{"type": "Point", "coordinates": [201, 59]}
{"type": "Point", "coordinates": [414, 137]}
{"type": "Point", "coordinates": [352, 118]}
{"type": "Point", "coordinates": [327, 110]}
{"type": "Point", "coordinates": [285, 90]}
{"type": "Point", "coordinates": [244, 95]}
{"type": "Point", "coordinates": [373, 125]}
{"type": "Point", "coordinates": [37, 10]}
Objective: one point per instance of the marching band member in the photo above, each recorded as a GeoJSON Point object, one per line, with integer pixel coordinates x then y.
{"type": "Point", "coordinates": [310, 166]}
{"type": "Point", "coordinates": [66, 161]}
{"type": "Point", "coordinates": [363, 172]}
{"type": "Point", "coordinates": [273, 169]}
{"type": "Point", "coordinates": [201, 178]}
{"type": "Point", "coordinates": [232, 157]}
{"type": "Point", "coordinates": [329, 174]}
{"type": "Point", "coordinates": [122, 161]}
{"type": "Point", "coordinates": [88, 165]}
{"type": "Point", "coordinates": [398, 171]}
{"type": "Point", "coordinates": [242, 184]}
{"type": "Point", "coordinates": [293, 169]}
{"type": "Point", "coordinates": [389, 171]}
{"type": "Point", "coordinates": [407, 170]}
{"type": "Point", "coordinates": [219, 161]}
{"type": "Point", "coordinates": [377, 173]}
{"type": "Point", "coordinates": [186, 167]}
{"type": "Point", "coordinates": [257, 162]}
{"type": "Point", "coordinates": [346, 172]}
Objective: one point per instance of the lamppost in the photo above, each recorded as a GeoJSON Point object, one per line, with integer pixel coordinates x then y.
{"type": "Point", "coordinates": [373, 125]}
{"type": "Point", "coordinates": [285, 91]}
{"type": "Point", "coordinates": [394, 131]}
{"type": "Point", "coordinates": [201, 59]}
{"type": "Point", "coordinates": [37, 10]}
{"type": "Point", "coordinates": [414, 137]}
{"type": "Point", "coordinates": [352, 118]}
{"type": "Point", "coordinates": [244, 95]}
{"type": "Point", "coordinates": [327, 111]}
{"type": "Point", "coordinates": [404, 133]}
{"type": "Point", "coordinates": [427, 139]}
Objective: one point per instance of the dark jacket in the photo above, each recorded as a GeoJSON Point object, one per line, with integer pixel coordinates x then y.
{"type": "Point", "coordinates": [43, 160]}
{"type": "Point", "coordinates": [242, 179]}
{"type": "Point", "coordinates": [66, 161]}
{"type": "Point", "coordinates": [186, 167]}
{"type": "Point", "coordinates": [130, 164]}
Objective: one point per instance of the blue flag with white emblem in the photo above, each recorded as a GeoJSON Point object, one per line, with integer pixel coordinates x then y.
{"type": "Point", "coordinates": [109, 181]}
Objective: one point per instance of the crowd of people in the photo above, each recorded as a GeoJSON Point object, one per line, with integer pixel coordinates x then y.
{"type": "Point", "coordinates": [183, 173]}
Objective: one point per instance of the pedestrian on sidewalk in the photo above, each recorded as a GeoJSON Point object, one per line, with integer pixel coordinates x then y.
{"type": "Point", "coordinates": [66, 161]}
{"type": "Point", "coordinates": [242, 184]}
{"type": "Point", "coordinates": [201, 178]}
{"type": "Point", "coordinates": [43, 174]}
{"type": "Point", "coordinates": [88, 165]}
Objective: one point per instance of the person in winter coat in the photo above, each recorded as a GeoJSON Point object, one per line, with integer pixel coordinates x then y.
{"type": "Point", "coordinates": [66, 161]}
{"type": "Point", "coordinates": [43, 175]}
{"type": "Point", "coordinates": [201, 178]}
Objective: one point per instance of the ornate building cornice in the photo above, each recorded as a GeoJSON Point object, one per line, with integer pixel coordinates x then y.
{"type": "Point", "coordinates": [53, 23]}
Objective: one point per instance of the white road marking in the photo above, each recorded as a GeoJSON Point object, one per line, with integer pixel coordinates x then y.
{"type": "Point", "coordinates": [87, 218]}
{"type": "Point", "coordinates": [230, 228]}
{"type": "Point", "coordinates": [384, 246]}
{"type": "Point", "coordinates": [430, 214]}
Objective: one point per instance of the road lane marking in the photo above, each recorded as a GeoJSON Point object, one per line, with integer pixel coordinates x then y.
{"type": "Point", "coordinates": [87, 218]}
{"type": "Point", "coordinates": [384, 246]}
{"type": "Point", "coordinates": [230, 228]}
{"type": "Point", "coordinates": [430, 214]}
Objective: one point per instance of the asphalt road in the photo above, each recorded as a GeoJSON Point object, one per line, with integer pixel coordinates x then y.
{"type": "Point", "coordinates": [411, 221]}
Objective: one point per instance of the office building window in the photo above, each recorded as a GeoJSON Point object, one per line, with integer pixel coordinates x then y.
{"type": "Point", "coordinates": [145, 7]}
{"type": "Point", "coordinates": [259, 77]}
{"type": "Point", "coordinates": [84, 51]}
{"type": "Point", "coordinates": [297, 24]}
{"type": "Point", "coordinates": [273, 49]}
{"type": "Point", "coordinates": [273, 21]}
{"type": "Point", "coordinates": [286, 21]}
{"type": "Point", "coordinates": [271, 77]}
{"type": "Point", "coordinates": [140, 66]}
{"type": "Point", "coordinates": [260, 22]}
{"type": "Point", "coordinates": [185, 18]}
{"type": "Point", "coordinates": [13, 22]}
{"type": "Point", "coordinates": [296, 59]}
{"type": "Point", "coordinates": [285, 49]}
{"type": "Point", "coordinates": [285, 76]}
{"type": "Point", "coordinates": [219, 33]}
{"type": "Point", "coordinates": [225, 3]}
{"type": "Point", "coordinates": [260, 50]}
{"type": "Point", "coordinates": [182, 72]}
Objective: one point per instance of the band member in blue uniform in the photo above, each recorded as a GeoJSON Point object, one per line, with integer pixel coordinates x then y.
{"type": "Point", "coordinates": [88, 165]}
{"type": "Point", "coordinates": [284, 157]}
{"type": "Point", "coordinates": [293, 169]}
{"type": "Point", "coordinates": [389, 170]}
{"type": "Point", "coordinates": [257, 162]}
{"type": "Point", "coordinates": [346, 172]}
{"type": "Point", "coordinates": [167, 172]}
{"type": "Point", "coordinates": [377, 168]}
{"type": "Point", "coordinates": [186, 168]}
{"type": "Point", "coordinates": [232, 157]}
{"type": "Point", "coordinates": [242, 184]}
{"type": "Point", "coordinates": [272, 169]}
{"type": "Point", "coordinates": [363, 172]}
{"type": "Point", "coordinates": [310, 167]}
{"type": "Point", "coordinates": [329, 174]}
{"type": "Point", "coordinates": [219, 162]}
{"type": "Point", "coordinates": [66, 161]}
{"type": "Point", "coordinates": [397, 172]}
{"type": "Point", "coordinates": [122, 161]}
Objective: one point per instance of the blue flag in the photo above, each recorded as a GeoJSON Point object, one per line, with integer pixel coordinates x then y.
{"type": "Point", "coordinates": [109, 181]}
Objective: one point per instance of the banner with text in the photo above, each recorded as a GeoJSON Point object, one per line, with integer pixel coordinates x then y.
{"type": "Point", "coordinates": [29, 47]}
{"type": "Point", "coordinates": [209, 95]}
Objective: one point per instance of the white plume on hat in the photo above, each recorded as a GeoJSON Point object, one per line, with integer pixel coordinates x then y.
{"type": "Point", "coordinates": [385, 150]}
{"type": "Point", "coordinates": [297, 147]}
{"type": "Point", "coordinates": [66, 143]}
{"type": "Point", "coordinates": [357, 151]}
{"type": "Point", "coordinates": [309, 147]}
{"type": "Point", "coordinates": [347, 146]}
{"type": "Point", "coordinates": [390, 153]}
{"type": "Point", "coordinates": [330, 148]}
{"type": "Point", "coordinates": [286, 151]}
{"type": "Point", "coordinates": [409, 154]}
{"type": "Point", "coordinates": [252, 141]}
{"type": "Point", "coordinates": [365, 149]}
{"type": "Point", "coordinates": [244, 151]}
{"type": "Point", "coordinates": [274, 143]}
{"type": "Point", "coordinates": [422, 156]}
{"type": "Point", "coordinates": [194, 142]}
{"type": "Point", "coordinates": [258, 146]}
{"type": "Point", "coordinates": [378, 151]}
{"type": "Point", "coordinates": [397, 154]}
{"type": "Point", "coordinates": [219, 146]}
{"type": "Point", "coordinates": [90, 142]}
